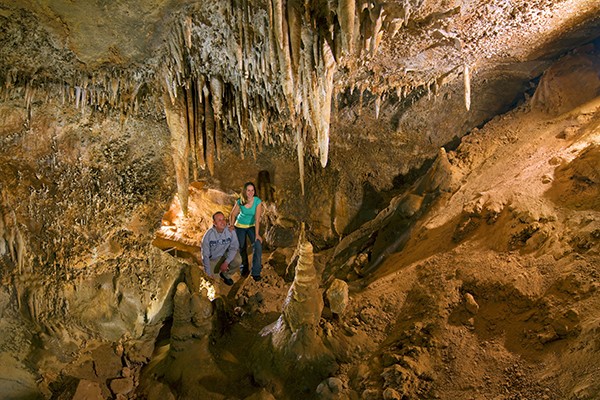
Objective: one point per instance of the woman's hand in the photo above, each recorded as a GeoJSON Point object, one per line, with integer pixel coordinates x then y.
{"type": "Point", "coordinates": [259, 238]}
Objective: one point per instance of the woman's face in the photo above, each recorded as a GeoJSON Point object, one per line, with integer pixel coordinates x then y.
{"type": "Point", "coordinates": [249, 192]}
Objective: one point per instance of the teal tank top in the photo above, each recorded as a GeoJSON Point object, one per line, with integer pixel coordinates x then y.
{"type": "Point", "coordinates": [246, 217]}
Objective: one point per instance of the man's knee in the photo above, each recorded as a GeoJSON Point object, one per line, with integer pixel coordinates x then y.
{"type": "Point", "coordinates": [237, 260]}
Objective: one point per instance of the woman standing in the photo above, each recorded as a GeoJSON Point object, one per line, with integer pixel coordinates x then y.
{"type": "Point", "coordinates": [245, 218]}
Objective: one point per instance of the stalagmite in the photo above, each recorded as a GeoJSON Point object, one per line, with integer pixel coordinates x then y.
{"type": "Point", "coordinates": [294, 342]}
{"type": "Point", "coordinates": [192, 314]}
{"type": "Point", "coordinates": [467, 79]}
{"type": "Point", "coordinates": [189, 345]}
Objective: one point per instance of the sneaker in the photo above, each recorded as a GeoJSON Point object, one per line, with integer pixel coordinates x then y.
{"type": "Point", "coordinates": [228, 281]}
{"type": "Point", "coordinates": [244, 271]}
{"type": "Point", "coordinates": [256, 277]}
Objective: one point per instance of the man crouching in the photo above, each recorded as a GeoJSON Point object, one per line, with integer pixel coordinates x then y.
{"type": "Point", "coordinates": [220, 250]}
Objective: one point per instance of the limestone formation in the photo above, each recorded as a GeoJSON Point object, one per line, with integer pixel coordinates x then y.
{"type": "Point", "coordinates": [193, 321]}
{"type": "Point", "coordinates": [191, 316]}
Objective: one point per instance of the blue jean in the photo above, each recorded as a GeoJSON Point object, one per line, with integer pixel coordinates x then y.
{"type": "Point", "coordinates": [256, 249]}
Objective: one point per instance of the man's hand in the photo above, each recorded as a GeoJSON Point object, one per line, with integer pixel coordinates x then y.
{"type": "Point", "coordinates": [224, 267]}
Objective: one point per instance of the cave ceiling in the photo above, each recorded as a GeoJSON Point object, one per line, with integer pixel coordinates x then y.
{"type": "Point", "coordinates": [293, 74]}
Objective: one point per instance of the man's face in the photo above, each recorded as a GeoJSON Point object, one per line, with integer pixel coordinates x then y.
{"type": "Point", "coordinates": [220, 222]}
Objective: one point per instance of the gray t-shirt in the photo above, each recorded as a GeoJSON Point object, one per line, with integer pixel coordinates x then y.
{"type": "Point", "coordinates": [215, 245]}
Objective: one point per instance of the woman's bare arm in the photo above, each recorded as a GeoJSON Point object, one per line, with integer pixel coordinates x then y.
{"type": "Point", "coordinates": [257, 222]}
{"type": "Point", "coordinates": [233, 215]}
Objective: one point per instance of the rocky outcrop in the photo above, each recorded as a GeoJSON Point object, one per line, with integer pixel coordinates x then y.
{"type": "Point", "coordinates": [337, 295]}
{"type": "Point", "coordinates": [569, 83]}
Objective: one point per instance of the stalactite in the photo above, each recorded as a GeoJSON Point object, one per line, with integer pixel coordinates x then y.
{"type": "Point", "coordinates": [254, 129]}
{"type": "Point", "coordinates": [20, 251]}
{"type": "Point", "coordinates": [377, 17]}
{"type": "Point", "coordinates": [216, 89]}
{"type": "Point", "coordinates": [209, 127]}
{"type": "Point", "coordinates": [327, 88]}
{"type": "Point", "coordinates": [244, 39]}
{"type": "Point", "coordinates": [176, 120]}
{"type": "Point", "coordinates": [277, 9]}
{"type": "Point", "coordinates": [300, 152]}
{"type": "Point", "coordinates": [288, 83]}
{"type": "Point", "coordinates": [467, 81]}
{"type": "Point", "coordinates": [199, 128]}
{"type": "Point", "coordinates": [366, 28]}
{"type": "Point", "coordinates": [346, 11]}
{"type": "Point", "coordinates": [407, 11]}
{"type": "Point", "coordinates": [191, 124]}
{"type": "Point", "coordinates": [239, 42]}
{"type": "Point", "coordinates": [294, 17]}
{"type": "Point", "coordinates": [289, 61]}
{"type": "Point", "coordinates": [237, 109]}
{"type": "Point", "coordinates": [77, 96]}
{"type": "Point", "coordinates": [304, 86]}
{"type": "Point", "coordinates": [170, 86]}
{"type": "Point", "coordinates": [188, 31]}
{"type": "Point", "coordinates": [29, 95]}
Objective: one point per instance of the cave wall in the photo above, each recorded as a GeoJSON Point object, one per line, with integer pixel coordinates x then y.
{"type": "Point", "coordinates": [81, 197]}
